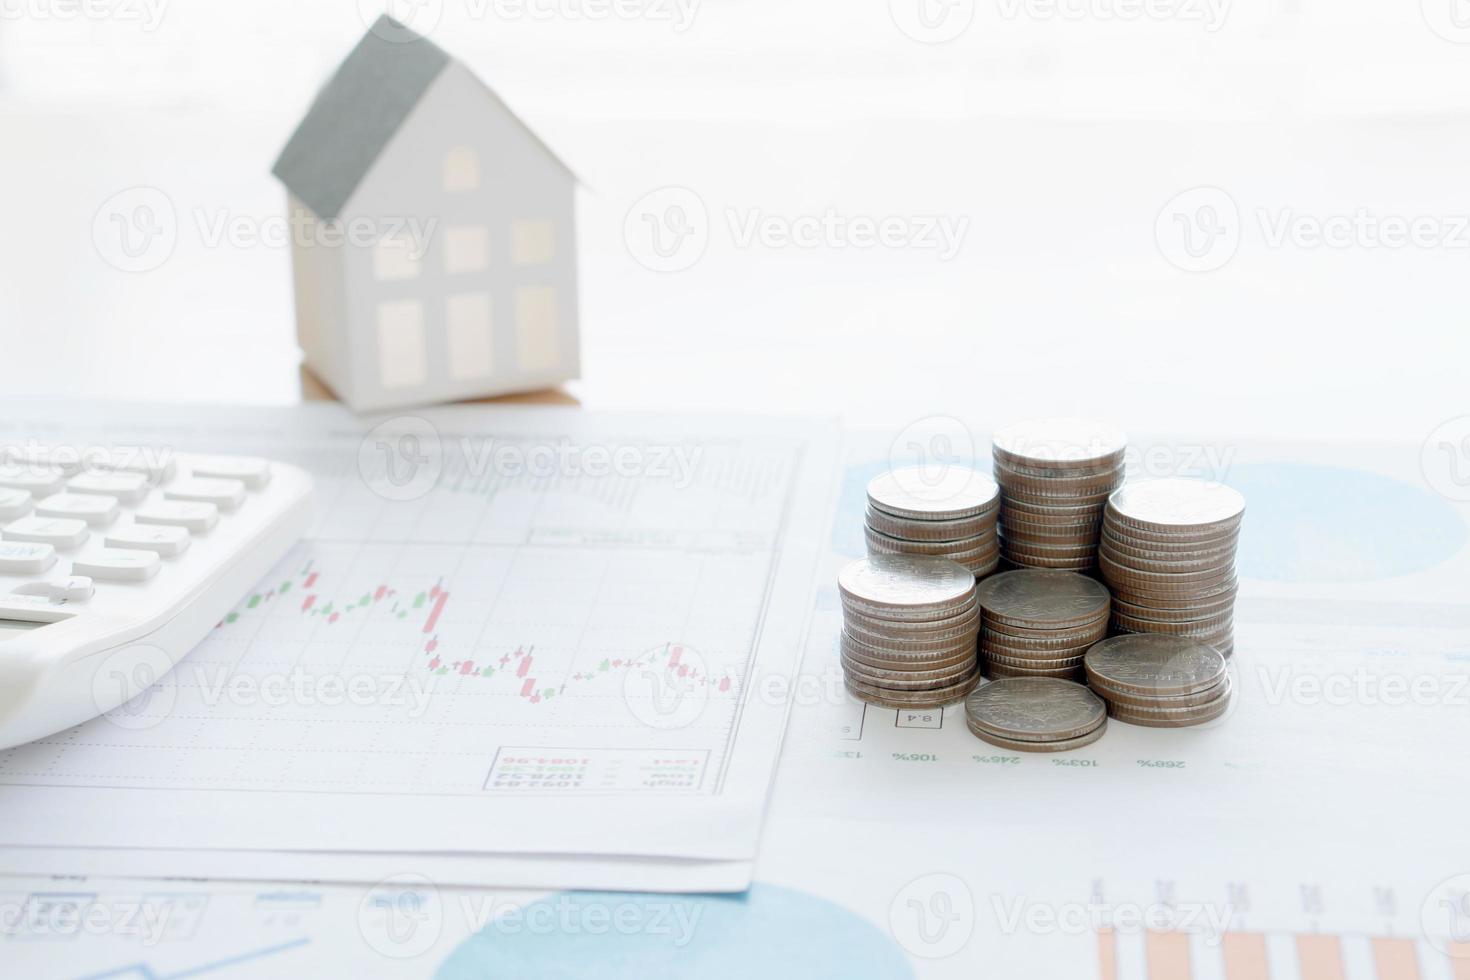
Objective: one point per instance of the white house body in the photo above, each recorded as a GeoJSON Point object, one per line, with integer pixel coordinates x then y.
{"type": "Point", "coordinates": [436, 253]}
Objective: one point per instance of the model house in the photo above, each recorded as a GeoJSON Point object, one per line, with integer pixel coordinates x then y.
{"type": "Point", "coordinates": [433, 234]}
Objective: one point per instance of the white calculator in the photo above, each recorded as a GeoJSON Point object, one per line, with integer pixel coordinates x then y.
{"type": "Point", "coordinates": [115, 563]}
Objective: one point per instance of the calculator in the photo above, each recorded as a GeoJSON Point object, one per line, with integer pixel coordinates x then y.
{"type": "Point", "coordinates": [116, 562]}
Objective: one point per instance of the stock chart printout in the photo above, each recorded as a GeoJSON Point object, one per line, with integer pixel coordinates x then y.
{"type": "Point", "coordinates": [510, 632]}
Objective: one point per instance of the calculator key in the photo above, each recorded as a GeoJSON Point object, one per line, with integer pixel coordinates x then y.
{"type": "Point", "coordinates": [224, 494]}
{"type": "Point", "coordinates": [19, 558]}
{"type": "Point", "coordinates": [36, 480]}
{"type": "Point", "coordinates": [64, 459]}
{"type": "Point", "coordinates": [63, 533]}
{"type": "Point", "coordinates": [73, 588]}
{"type": "Point", "coordinates": [195, 517]}
{"type": "Point", "coordinates": [252, 471]}
{"type": "Point", "coordinates": [130, 488]}
{"type": "Point", "coordinates": [163, 539]}
{"type": "Point", "coordinates": [118, 565]}
{"type": "Point", "coordinates": [14, 503]}
{"type": "Point", "coordinates": [155, 464]}
{"type": "Point", "coordinates": [96, 510]}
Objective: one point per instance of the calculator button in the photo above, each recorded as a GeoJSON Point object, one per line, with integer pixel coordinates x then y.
{"type": "Point", "coordinates": [196, 517]}
{"type": "Point", "coordinates": [155, 464]}
{"type": "Point", "coordinates": [73, 588]}
{"type": "Point", "coordinates": [224, 494]}
{"type": "Point", "coordinates": [96, 510]}
{"type": "Point", "coordinates": [63, 533]}
{"type": "Point", "coordinates": [118, 565]}
{"type": "Point", "coordinates": [14, 503]}
{"type": "Point", "coordinates": [37, 480]}
{"type": "Point", "coordinates": [252, 471]}
{"type": "Point", "coordinates": [18, 558]}
{"type": "Point", "coordinates": [65, 460]}
{"type": "Point", "coordinates": [163, 539]}
{"type": "Point", "coordinates": [130, 488]}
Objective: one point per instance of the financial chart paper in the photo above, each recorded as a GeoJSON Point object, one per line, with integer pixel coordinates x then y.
{"type": "Point", "coordinates": [510, 632]}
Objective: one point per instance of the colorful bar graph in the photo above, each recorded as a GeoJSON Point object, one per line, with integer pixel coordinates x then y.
{"type": "Point", "coordinates": [1395, 959]}
{"type": "Point", "coordinates": [1107, 955]}
{"type": "Point", "coordinates": [1168, 955]}
{"type": "Point", "coordinates": [1245, 956]}
{"type": "Point", "coordinates": [1460, 960]}
{"type": "Point", "coordinates": [1320, 958]}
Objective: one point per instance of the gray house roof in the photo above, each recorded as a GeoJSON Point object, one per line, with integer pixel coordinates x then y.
{"type": "Point", "coordinates": [357, 112]}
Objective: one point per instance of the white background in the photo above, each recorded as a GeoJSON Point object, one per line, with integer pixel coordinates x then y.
{"type": "Point", "coordinates": [1057, 133]}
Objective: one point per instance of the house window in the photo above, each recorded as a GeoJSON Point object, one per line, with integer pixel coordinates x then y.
{"type": "Point", "coordinates": [466, 249]}
{"type": "Point", "coordinates": [461, 170]}
{"type": "Point", "coordinates": [471, 338]}
{"type": "Point", "coordinates": [532, 242]}
{"type": "Point", "coordinates": [395, 258]}
{"type": "Point", "coordinates": [401, 360]}
{"type": "Point", "coordinates": [538, 336]}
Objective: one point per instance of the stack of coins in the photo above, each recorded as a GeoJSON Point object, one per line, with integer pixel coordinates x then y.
{"type": "Point", "coordinates": [1055, 476]}
{"type": "Point", "coordinates": [950, 514]}
{"type": "Point", "coordinates": [1040, 623]}
{"type": "Point", "coordinates": [909, 625]}
{"type": "Point", "coordinates": [1168, 553]}
{"type": "Point", "coordinates": [1036, 714]}
{"type": "Point", "coordinates": [1159, 680]}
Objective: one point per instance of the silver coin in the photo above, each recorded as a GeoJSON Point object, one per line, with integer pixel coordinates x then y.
{"type": "Point", "coordinates": [1215, 609]}
{"type": "Point", "coordinates": [997, 671]}
{"type": "Point", "coordinates": [1176, 504]}
{"type": "Point", "coordinates": [1149, 598]}
{"type": "Point", "coordinates": [906, 680]}
{"type": "Point", "coordinates": [905, 584]}
{"type": "Point", "coordinates": [1171, 717]}
{"type": "Point", "coordinates": [1028, 663]}
{"type": "Point", "coordinates": [967, 620]}
{"type": "Point", "coordinates": [919, 618]}
{"type": "Point", "coordinates": [1059, 443]}
{"type": "Point", "coordinates": [1041, 599]}
{"type": "Point", "coordinates": [1024, 561]}
{"type": "Point", "coordinates": [1155, 664]}
{"type": "Point", "coordinates": [1156, 567]}
{"type": "Point", "coordinates": [1018, 745]}
{"type": "Point", "coordinates": [889, 649]}
{"type": "Point", "coordinates": [1038, 643]}
{"type": "Point", "coordinates": [895, 545]}
{"type": "Point", "coordinates": [1059, 483]}
{"type": "Point", "coordinates": [1088, 633]}
{"type": "Point", "coordinates": [1188, 551]}
{"type": "Point", "coordinates": [916, 530]}
{"type": "Point", "coordinates": [1191, 628]}
{"type": "Point", "coordinates": [915, 699]}
{"type": "Point", "coordinates": [925, 662]}
{"type": "Point", "coordinates": [941, 492]}
{"type": "Point", "coordinates": [1124, 699]}
{"type": "Point", "coordinates": [1035, 710]}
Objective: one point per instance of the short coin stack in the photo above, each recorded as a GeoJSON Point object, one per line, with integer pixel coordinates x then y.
{"type": "Point", "coordinates": [950, 514]}
{"type": "Point", "coordinates": [909, 630]}
{"type": "Point", "coordinates": [1168, 553]}
{"type": "Point", "coordinates": [1055, 476]}
{"type": "Point", "coordinates": [1036, 714]}
{"type": "Point", "coordinates": [1159, 680]}
{"type": "Point", "coordinates": [1037, 623]}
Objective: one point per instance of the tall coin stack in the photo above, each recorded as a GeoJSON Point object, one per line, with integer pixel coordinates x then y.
{"type": "Point", "coordinates": [909, 630]}
{"type": "Point", "coordinates": [950, 514]}
{"type": "Point", "coordinates": [1037, 623]}
{"type": "Point", "coordinates": [1158, 680]}
{"type": "Point", "coordinates": [1168, 553]}
{"type": "Point", "coordinates": [1055, 477]}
